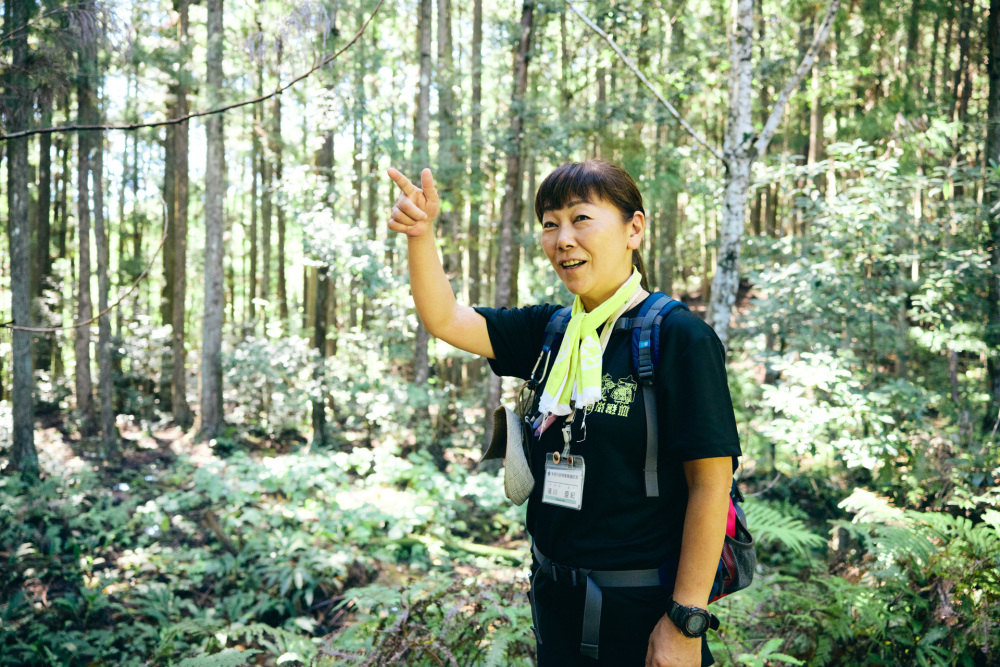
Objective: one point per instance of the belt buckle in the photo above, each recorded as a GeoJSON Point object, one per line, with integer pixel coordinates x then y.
{"type": "Point", "coordinates": [566, 574]}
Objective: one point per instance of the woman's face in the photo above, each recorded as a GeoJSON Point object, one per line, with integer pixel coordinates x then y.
{"type": "Point", "coordinates": [590, 247]}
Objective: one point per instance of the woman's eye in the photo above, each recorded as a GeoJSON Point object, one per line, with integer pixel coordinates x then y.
{"type": "Point", "coordinates": [548, 224]}
{"type": "Point", "coordinates": [580, 217]}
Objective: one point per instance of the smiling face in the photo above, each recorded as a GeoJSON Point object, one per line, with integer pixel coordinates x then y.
{"type": "Point", "coordinates": [589, 243]}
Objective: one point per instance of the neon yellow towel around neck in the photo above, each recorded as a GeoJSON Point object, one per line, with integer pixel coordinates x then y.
{"type": "Point", "coordinates": [575, 379]}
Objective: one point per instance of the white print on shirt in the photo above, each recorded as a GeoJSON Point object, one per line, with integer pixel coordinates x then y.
{"type": "Point", "coordinates": [616, 397]}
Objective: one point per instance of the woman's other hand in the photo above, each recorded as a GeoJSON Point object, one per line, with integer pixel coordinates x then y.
{"type": "Point", "coordinates": [415, 207]}
{"type": "Point", "coordinates": [668, 647]}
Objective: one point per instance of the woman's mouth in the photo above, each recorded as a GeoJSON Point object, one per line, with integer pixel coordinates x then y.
{"type": "Point", "coordinates": [571, 264]}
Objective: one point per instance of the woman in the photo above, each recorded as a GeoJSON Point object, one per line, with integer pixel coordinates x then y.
{"type": "Point", "coordinates": [592, 225]}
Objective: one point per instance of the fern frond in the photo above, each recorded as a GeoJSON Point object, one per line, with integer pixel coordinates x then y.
{"type": "Point", "coordinates": [230, 657]}
{"type": "Point", "coordinates": [768, 524]}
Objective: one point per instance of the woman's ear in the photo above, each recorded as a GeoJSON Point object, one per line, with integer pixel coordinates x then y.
{"type": "Point", "coordinates": [636, 230]}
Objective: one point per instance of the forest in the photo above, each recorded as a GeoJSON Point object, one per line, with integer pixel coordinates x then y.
{"type": "Point", "coordinates": [226, 439]}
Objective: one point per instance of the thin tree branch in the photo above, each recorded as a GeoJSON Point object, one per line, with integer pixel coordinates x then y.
{"type": "Point", "coordinates": [673, 112]}
{"type": "Point", "coordinates": [764, 139]}
{"type": "Point", "coordinates": [11, 325]}
{"type": "Point", "coordinates": [175, 121]}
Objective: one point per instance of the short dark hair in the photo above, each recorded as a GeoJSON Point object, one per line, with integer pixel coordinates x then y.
{"type": "Point", "coordinates": [593, 179]}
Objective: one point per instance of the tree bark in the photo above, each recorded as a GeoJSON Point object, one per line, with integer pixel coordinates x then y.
{"type": "Point", "coordinates": [170, 210]}
{"type": "Point", "coordinates": [450, 168]}
{"type": "Point", "coordinates": [110, 450]}
{"type": "Point", "coordinates": [169, 264]}
{"type": "Point", "coordinates": [211, 367]}
{"type": "Point", "coordinates": [817, 114]}
{"type": "Point", "coordinates": [421, 137]}
{"type": "Point", "coordinates": [319, 342]}
{"type": "Point", "coordinates": [741, 146]}
{"type": "Point", "coordinates": [930, 88]}
{"type": "Point", "coordinates": [673, 176]}
{"type": "Point", "coordinates": [42, 266]}
{"type": "Point", "coordinates": [739, 126]}
{"type": "Point", "coordinates": [991, 205]}
{"type": "Point", "coordinates": [912, 44]}
{"type": "Point", "coordinates": [277, 150]}
{"type": "Point", "coordinates": [964, 43]}
{"type": "Point", "coordinates": [945, 57]}
{"type": "Point", "coordinates": [81, 341]}
{"type": "Point", "coordinates": [19, 92]}
{"type": "Point", "coordinates": [512, 196]}
{"type": "Point", "coordinates": [255, 151]}
{"type": "Point", "coordinates": [178, 381]}
{"type": "Point", "coordinates": [476, 153]}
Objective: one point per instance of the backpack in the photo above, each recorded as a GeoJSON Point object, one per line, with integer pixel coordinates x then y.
{"type": "Point", "coordinates": [739, 559]}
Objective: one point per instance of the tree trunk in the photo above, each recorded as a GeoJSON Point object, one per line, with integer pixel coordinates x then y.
{"type": "Point", "coordinates": [255, 148]}
{"type": "Point", "coordinates": [912, 44]}
{"type": "Point", "coordinates": [990, 206]}
{"type": "Point", "coordinates": [933, 67]}
{"type": "Point", "coordinates": [673, 180]}
{"type": "Point", "coordinates": [319, 342]}
{"type": "Point", "coordinates": [476, 150]}
{"type": "Point", "coordinates": [24, 458]}
{"type": "Point", "coordinates": [178, 382]}
{"type": "Point", "coordinates": [62, 216]}
{"type": "Point", "coordinates": [421, 136]}
{"type": "Point", "coordinates": [85, 140]}
{"type": "Point", "coordinates": [739, 126]}
{"type": "Point", "coordinates": [358, 166]}
{"type": "Point", "coordinates": [42, 266]}
{"type": "Point", "coordinates": [450, 167]}
{"type": "Point", "coordinates": [964, 41]}
{"type": "Point", "coordinates": [266, 190]}
{"type": "Point", "coordinates": [565, 97]}
{"type": "Point", "coordinates": [601, 113]}
{"type": "Point", "coordinates": [633, 154]}
{"type": "Point", "coordinates": [945, 56]}
{"type": "Point", "coordinates": [211, 367]}
{"type": "Point", "coordinates": [169, 263]}
{"type": "Point", "coordinates": [110, 450]}
{"type": "Point", "coordinates": [277, 150]}
{"type": "Point", "coordinates": [170, 197]}
{"type": "Point", "coordinates": [738, 153]}
{"type": "Point", "coordinates": [373, 220]}
{"type": "Point", "coordinates": [969, 65]}
{"type": "Point", "coordinates": [817, 113]}
{"type": "Point", "coordinates": [512, 197]}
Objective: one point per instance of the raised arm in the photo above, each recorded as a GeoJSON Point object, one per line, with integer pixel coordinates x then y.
{"type": "Point", "coordinates": [441, 314]}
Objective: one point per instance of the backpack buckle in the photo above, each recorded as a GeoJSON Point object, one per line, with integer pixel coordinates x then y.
{"type": "Point", "coordinates": [567, 575]}
{"type": "Point", "coordinates": [645, 371]}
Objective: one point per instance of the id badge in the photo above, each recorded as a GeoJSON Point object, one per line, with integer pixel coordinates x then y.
{"type": "Point", "coordinates": [563, 481]}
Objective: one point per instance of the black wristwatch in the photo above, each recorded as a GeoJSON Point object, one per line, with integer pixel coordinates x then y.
{"type": "Point", "coordinates": [692, 621]}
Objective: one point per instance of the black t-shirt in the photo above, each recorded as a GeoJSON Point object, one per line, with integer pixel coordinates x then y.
{"type": "Point", "coordinates": [618, 527]}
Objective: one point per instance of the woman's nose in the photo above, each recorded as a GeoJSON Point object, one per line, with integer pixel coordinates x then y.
{"type": "Point", "coordinates": [565, 239]}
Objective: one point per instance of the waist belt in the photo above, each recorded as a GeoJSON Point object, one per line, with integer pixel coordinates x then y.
{"type": "Point", "coordinates": [594, 580]}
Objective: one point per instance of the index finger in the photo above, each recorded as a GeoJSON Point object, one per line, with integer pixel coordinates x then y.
{"type": "Point", "coordinates": [402, 181]}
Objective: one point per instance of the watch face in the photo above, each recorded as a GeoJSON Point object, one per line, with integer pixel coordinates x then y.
{"type": "Point", "coordinates": [696, 624]}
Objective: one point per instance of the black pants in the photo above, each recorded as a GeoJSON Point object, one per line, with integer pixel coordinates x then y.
{"type": "Point", "coordinates": [628, 616]}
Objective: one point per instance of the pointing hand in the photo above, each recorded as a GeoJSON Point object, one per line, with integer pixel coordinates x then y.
{"type": "Point", "coordinates": [415, 207]}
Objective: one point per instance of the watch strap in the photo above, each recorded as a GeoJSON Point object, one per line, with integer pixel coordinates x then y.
{"type": "Point", "coordinates": [679, 614]}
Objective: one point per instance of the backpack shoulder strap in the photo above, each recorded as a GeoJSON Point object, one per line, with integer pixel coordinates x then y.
{"type": "Point", "coordinates": [645, 359]}
{"type": "Point", "coordinates": [554, 330]}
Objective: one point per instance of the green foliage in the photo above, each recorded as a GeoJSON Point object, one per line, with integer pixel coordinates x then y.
{"type": "Point", "coordinates": [772, 525]}
{"type": "Point", "coordinates": [226, 658]}
{"type": "Point", "coordinates": [236, 553]}
{"type": "Point", "coordinates": [437, 618]}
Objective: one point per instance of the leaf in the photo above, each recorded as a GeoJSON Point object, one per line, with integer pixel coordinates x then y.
{"type": "Point", "coordinates": [230, 657]}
